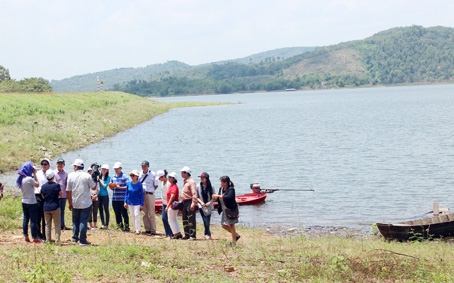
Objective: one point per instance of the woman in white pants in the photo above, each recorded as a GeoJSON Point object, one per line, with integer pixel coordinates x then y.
{"type": "Point", "coordinates": [172, 195]}
{"type": "Point", "coordinates": [134, 199]}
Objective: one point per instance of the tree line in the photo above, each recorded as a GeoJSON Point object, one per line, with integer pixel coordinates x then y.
{"type": "Point", "coordinates": [25, 85]}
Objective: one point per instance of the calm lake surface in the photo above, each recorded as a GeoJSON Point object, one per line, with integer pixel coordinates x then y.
{"type": "Point", "coordinates": [371, 155]}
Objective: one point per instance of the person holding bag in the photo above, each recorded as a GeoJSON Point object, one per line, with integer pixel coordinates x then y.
{"type": "Point", "coordinates": [173, 195]}
{"type": "Point", "coordinates": [204, 197]}
{"type": "Point", "coordinates": [228, 207]}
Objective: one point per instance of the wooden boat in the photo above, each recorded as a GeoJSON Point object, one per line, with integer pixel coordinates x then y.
{"type": "Point", "coordinates": [245, 199]}
{"type": "Point", "coordinates": [426, 228]}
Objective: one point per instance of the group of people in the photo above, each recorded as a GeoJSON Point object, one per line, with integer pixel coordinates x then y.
{"type": "Point", "coordinates": [45, 193]}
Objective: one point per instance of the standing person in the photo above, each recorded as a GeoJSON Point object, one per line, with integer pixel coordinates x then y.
{"type": "Point", "coordinates": [79, 185]}
{"type": "Point", "coordinates": [103, 196]}
{"type": "Point", "coordinates": [1, 190]}
{"type": "Point", "coordinates": [27, 182]}
{"type": "Point", "coordinates": [226, 196]}
{"type": "Point", "coordinates": [189, 195]}
{"type": "Point", "coordinates": [51, 192]}
{"type": "Point", "coordinates": [204, 197]}
{"type": "Point", "coordinates": [172, 195]}
{"type": "Point", "coordinates": [165, 184]}
{"type": "Point", "coordinates": [118, 197]}
{"type": "Point", "coordinates": [63, 181]}
{"type": "Point", "coordinates": [148, 180]}
{"type": "Point", "coordinates": [42, 179]}
{"type": "Point", "coordinates": [93, 219]}
{"type": "Point", "coordinates": [134, 199]}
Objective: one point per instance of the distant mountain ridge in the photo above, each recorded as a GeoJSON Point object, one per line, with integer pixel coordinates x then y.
{"type": "Point", "coordinates": [88, 82]}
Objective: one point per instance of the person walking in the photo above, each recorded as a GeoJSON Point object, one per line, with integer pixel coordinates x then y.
{"type": "Point", "coordinates": [103, 196]}
{"type": "Point", "coordinates": [173, 195]}
{"type": "Point", "coordinates": [51, 192]}
{"type": "Point", "coordinates": [149, 183]}
{"type": "Point", "coordinates": [134, 199]}
{"type": "Point", "coordinates": [27, 182]}
{"type": "Point", "coordinates": [165, 184]}
{"type": "Point", "coordinates": [226, 198]}
{"type": "Point", "coordinates": [79, 186]}
{"type": "Point", "coordinates": [189, 195]}
{"type": "Point", "coordinates": [62, 180]}
{"type": "Point", "coordinates": [204, 197]}
{"type": "Point", "coordinates": [118, 198]}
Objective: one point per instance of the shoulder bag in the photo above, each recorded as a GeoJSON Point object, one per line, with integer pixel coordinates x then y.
{"type": "Point", "coordinates": [206, 210]}
{"type": "Point", "coordinates": [177, 205]}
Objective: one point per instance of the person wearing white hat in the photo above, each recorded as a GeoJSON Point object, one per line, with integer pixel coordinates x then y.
{"type": "Point", "coordinates": [189, 195]}
{"type": "Point", "coordinates": [80, 184]}
{"type": "Point", "coordinates": [119, 181]}
{"type": "Point", "coordinates": [165, 184]}
{"type": "Point", "coordinates": [173, 195]}
{"type": "Point", "coordinates": [134, 199]}
{"type": "Point", "coordinates": [51, 192]}
{"type": "Point", "coordinates": [103, 196]}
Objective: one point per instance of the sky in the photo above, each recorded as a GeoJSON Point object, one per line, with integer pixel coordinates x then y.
{"type": "Point", "coordinates": [62, 38]}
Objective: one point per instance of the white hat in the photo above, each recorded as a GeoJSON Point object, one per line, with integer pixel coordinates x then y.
{"type": "Point", "coordinates": [159, 174]}
{"type": "Point", "coordinates": [117, 165]}
{"type": "Point", "coordinates": [105, 166]}
{"type": "Point", "coordinates": [78, 163]}
{"type": "Point", "coordinates": [50, 174]}
{"type": "Point", "coordinates": [186, 169]}
{"type": "Point", "coordinates": [173, 175]}
{"type": "Point", "coordinates": [134, 172]}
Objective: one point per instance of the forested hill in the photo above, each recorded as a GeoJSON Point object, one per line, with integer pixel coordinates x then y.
{"type": "Point", "coordinates": [401, 55]}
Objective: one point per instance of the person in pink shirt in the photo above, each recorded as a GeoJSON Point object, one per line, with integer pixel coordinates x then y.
{"type": "Point", "coordinates": [172, 195]}
{"type": "Point", "coordinates": [189, 196]}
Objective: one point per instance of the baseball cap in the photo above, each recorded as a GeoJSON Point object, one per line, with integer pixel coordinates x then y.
{"type": "Point", "coordinates": [105, 166]}
{"type": "Point", "coordinates": [44, 159]}
{"type": "Point", "coordinates": [159, 174]}
{"type": "Point", "coordinates": [145, 163]}
{"type": "Point", "coordinates": [60, 160]}
{"type": "Point", "coordinates": [117, 165]}
{"type": "Point", "coordinates": [204, 175]}
{"type": "Point", "coordinates": [173, 175]}
{"type": "Point", "coordinates": [134, 172]}
{"type": "Point", "coordinates": [50, 174]}
{"type": "Point", "coordinates": [186, 169]}
{"type": "Point", "coordinates": [78, 163]}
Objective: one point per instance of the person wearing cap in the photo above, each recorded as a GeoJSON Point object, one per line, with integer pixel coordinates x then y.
{"type": "Point", "coordinates": [41, 175]}
{"type": "Point", "coordinates": [149, 182]}
{"type": "Point", "coordinates": [118, 198]}
{"type": "Point", "coordinates": [189, 195]}
{"type": "Point", "coordinates": [62, 180]}
{"type": "Point", "coordinates": [205, 193]}
{"type": "Point", "coordinates": [79, 186]}
{"type": "Point", "coordinates": [134, 199]}
{"type": "Point", "coordinates": [165, 184]}
{"type": "Point", "coordinates": [173, 195]}
{"type": "Point", "coordinates": [27, 182]}
{"type": "Point", "coordinates": [93, 219]}
{"type": "Point", "coordinates": [103, 196]}
{"type": "Point", "coordinates": [51, 192]}
{"type": "Point", "coordinates": [1, 190]}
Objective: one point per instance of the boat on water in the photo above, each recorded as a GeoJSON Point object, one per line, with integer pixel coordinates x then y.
{"type": "Point", "coordinates": [425, 228]}
{"type": "Point", "coordinates": [256, 197]}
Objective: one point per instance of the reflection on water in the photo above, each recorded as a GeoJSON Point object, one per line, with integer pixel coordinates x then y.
{"type": "Point", "coordinates": [382, 154]}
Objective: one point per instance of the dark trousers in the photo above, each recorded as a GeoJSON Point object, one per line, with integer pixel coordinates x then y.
{"type": "Point", "coordinates": [188, 219]}
{"type": "Point", "coordinates": [80, 219]}
{"type": "Point", "coordinates": [94, 212]}
{"type": "Point", "coordinates": [121, 214]}
{"type": "Point", "coordinates": [62, 211]}
{"type": "Point", "coordinates": [206, 223]}
{"type": "Point", "coordinates": [30, 214]}
{"type": "Point", "coordinates": [104, 210]}
{"type": "Point", "coordinates": [41, 222]}
{"type": "Point", "coordinates": [165, 221]}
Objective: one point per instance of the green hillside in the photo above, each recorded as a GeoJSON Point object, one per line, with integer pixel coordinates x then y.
{"type": "Point", "coordinates": [401, 55]}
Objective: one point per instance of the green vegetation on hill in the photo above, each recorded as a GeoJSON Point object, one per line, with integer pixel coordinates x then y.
{"type": "Point", "coordinates": [396, 56]}
{"type": "Point", "coordinates": [26, 85]}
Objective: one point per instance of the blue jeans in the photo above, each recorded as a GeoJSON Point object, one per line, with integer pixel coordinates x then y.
{"type": "Point", "coordinates": [80, 219]}
{"type": "Point", "coordinates": [206, 223]}
{"type": "Point", "coordinates": [30, 214]}
{"type": "Point", "coordinates": [62, 211]}
{"type": "Point", "coordinates": [104, 210]}
{"type": "Point", "coordinates": [165, 221]}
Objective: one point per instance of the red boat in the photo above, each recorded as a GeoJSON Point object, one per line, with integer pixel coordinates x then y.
{"type": "Point", "coordinates": [246, 199]}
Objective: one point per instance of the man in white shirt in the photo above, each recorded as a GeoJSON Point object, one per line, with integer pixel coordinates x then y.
{"type": "Point", "coordinates": [79, 198]}
{"type": "Point", "coordinates": [150, 184]}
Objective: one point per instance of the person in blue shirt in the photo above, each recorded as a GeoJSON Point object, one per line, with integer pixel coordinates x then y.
{"type": "Point", "coordinates": [103, 196]}
{"type": "Point", "coordinates": [134, 199]}
{"type": "Point", "coordinates": [51, 192]}
{"type": "Point", "coordinates": [119, 181]}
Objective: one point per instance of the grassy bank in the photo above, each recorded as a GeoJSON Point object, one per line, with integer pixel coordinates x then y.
{"type": "Point", "coordinates": [33, 126]}
{"type": "Point", "coordinates": [258, 257]}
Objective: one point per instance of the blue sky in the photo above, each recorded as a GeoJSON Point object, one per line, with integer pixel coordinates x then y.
{"type": "Point", "coordinates": [59, 39]}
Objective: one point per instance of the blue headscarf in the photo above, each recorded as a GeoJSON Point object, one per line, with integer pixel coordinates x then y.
{"type": "Point", "coordinates": [25, 170]}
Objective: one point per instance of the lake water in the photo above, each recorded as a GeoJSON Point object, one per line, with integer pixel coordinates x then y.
{"type": "Point", "coordinates": [371, 155]}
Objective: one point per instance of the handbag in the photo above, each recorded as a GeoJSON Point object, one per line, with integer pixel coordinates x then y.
{"type": "Point", "coordinates": [206, 210]}
{"type": "Point", "coordinates": [232, 213]}
{"type": "Point", "coordinates": [177, 205]}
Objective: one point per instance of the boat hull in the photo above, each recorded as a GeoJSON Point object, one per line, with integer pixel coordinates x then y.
{"type": "Point", "coordinates": [426, 228]}
{"type": "Point", "coordinates": [245, 199]}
